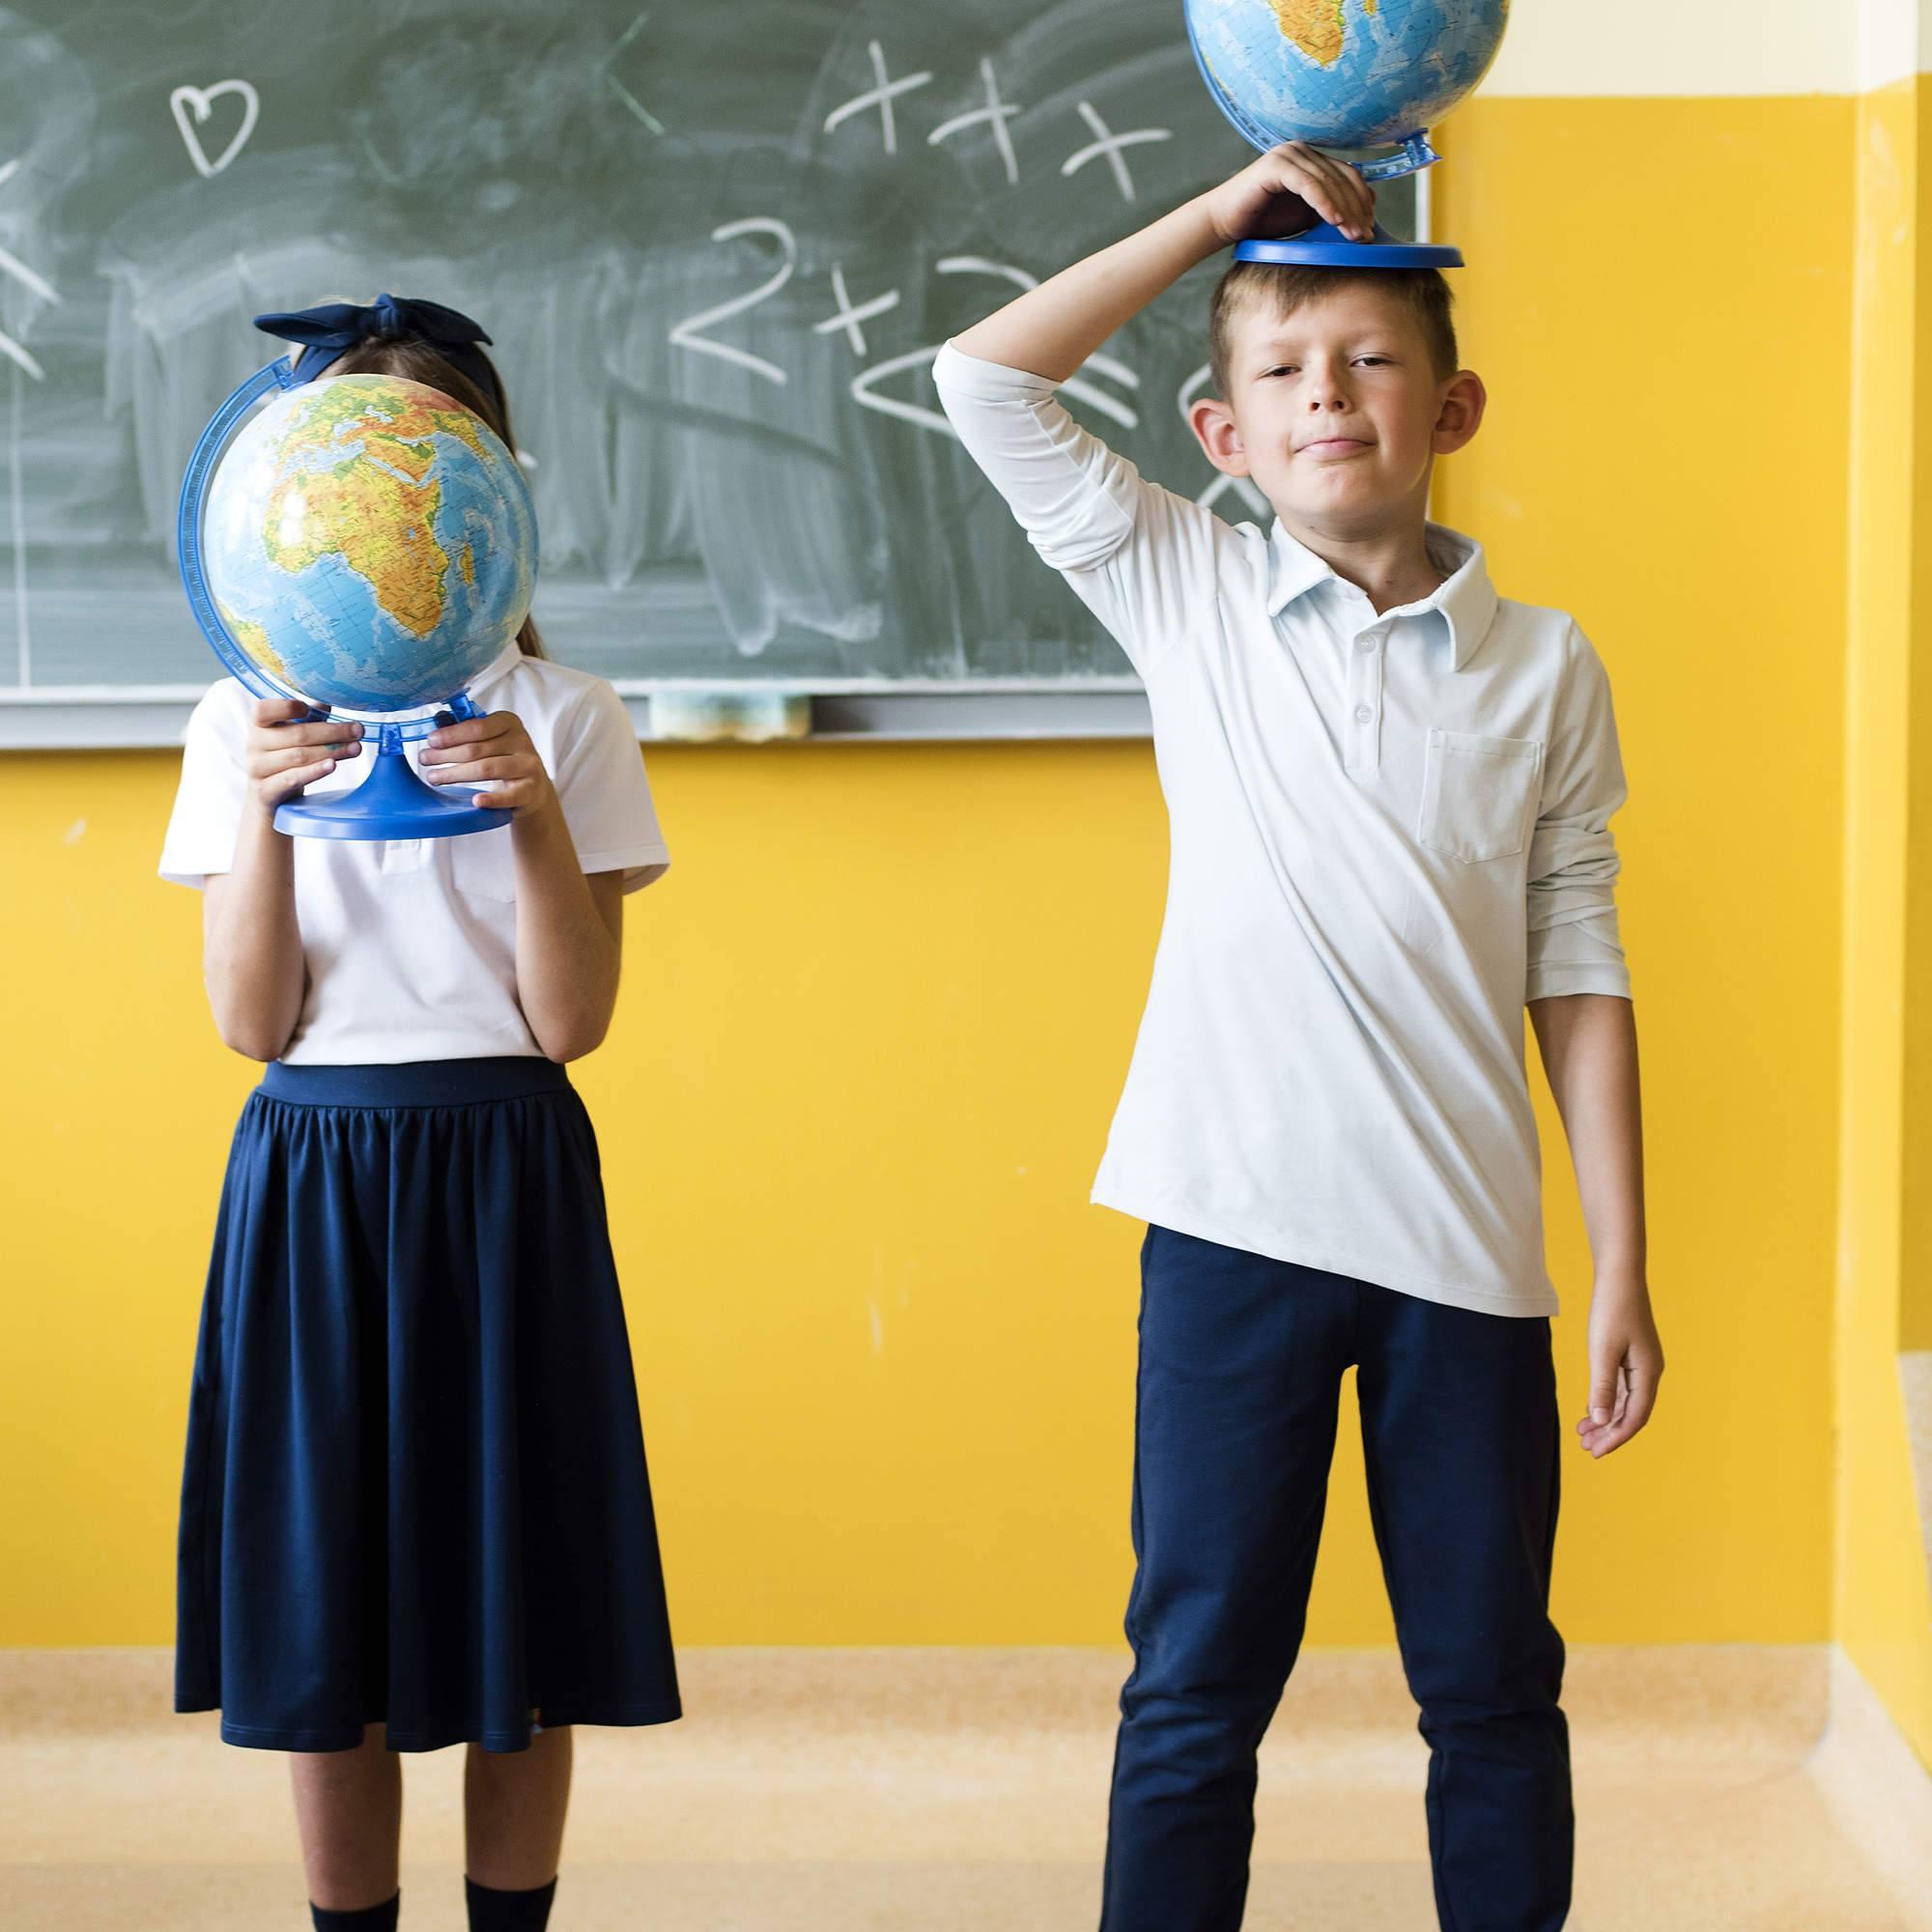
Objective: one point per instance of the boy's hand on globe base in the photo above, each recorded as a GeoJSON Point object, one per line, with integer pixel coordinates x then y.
{"type": "Point", "coordinates": [280, 757]}
{"type": "Point", "coordinates": [493, 750]}
{"type": "Point", "coordinates": [1289, 189]}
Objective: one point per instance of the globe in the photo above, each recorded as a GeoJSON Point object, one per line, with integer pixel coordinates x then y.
{"type": "Point", "coordinates": [369, 543]}
{"type": "Point", "coordinates": [1342, 74]}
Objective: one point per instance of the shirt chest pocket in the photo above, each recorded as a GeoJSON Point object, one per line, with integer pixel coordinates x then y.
{"type": "Point", "coordinates": [1479, 795]}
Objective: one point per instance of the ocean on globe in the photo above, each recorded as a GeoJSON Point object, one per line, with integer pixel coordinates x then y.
{"type": "Point", "coordinates": [369, 543]}
{"type": "Point", "coordinates": [1342, 74]}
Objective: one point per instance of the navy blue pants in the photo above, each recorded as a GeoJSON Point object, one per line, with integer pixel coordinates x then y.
{"type": "Point", "coordinates": [1240, 1367]}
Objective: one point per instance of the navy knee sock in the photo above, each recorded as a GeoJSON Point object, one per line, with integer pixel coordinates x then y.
{"type": "Point", "coordinates": [376, 1918]}
{"type": "Point", "coordinates": [508, 1910]}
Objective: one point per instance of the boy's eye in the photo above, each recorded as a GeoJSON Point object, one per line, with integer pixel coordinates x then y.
{"type": "Point", "coordinates": [1280, 369]}
{"type": "Point", "coordinates": [1374, 358]}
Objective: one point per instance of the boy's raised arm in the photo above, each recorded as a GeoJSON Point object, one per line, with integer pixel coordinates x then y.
{"type": "Point", "coordinates": [1051, 330]}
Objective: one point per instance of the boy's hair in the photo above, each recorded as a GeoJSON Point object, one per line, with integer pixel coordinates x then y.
{"type": "Point", "coordinates": [1286, 288]}
{"type": "Point", "coordinates": [418, 361]}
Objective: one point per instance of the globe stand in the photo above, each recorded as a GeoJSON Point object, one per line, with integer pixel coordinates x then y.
{"type": "Point", "coordinates": [1326, 246]}
{"type": "Point", "coordinates": [392, 801]}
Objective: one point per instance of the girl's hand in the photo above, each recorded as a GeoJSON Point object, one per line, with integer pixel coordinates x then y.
{"type": "Point", "coordinates": [1626, 1365]}
{"type": "Point", "coordinates": [1289, 189]}
{"type": "Point", "coordinates": [280, 757]}
{"type": "Point", "coordinates": [495, 750]}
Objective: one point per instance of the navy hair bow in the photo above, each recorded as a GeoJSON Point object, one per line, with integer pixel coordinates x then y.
{"type": "Point", "coordinates": [327, 330]}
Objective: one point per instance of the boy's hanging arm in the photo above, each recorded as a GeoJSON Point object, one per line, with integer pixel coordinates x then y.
{"type": "Point", "coordinates": [1588, 1042]}
{"type": "Point", "coordinates": [1052, 329]}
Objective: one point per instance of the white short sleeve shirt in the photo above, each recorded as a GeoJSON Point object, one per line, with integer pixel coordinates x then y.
{"type": "Point", "coordinates": [1387, 833]}
{"type": "Point", "coordinates": [410, 945]}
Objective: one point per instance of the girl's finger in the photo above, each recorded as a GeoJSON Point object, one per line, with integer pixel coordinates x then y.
{"type": "Point", "coordinates": [290, 783]}
{"type": "Point", "coordinates": [509, 798]}
{"type": "Point", "coordinates": [479, 771]}
{"type": "Point", "coordinates": [332, 732]}
{"type": "Point", "coordinates": [267, 764]}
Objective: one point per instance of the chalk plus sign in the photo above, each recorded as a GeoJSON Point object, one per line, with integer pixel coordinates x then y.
{"type": "Point", "coordinates": [849, 318]}
{"type": "Point", "coordinates": [995, 111]}
{"type": "Point", "coordinates": [1110, 144]}
{"type": "Point", "coordinates": [879, 97]}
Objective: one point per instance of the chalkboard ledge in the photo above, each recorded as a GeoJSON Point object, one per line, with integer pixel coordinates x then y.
{"type": "Point", "coordinates": [76, 717]}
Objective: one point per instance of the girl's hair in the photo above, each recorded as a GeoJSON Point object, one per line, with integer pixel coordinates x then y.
{"type": "Point", "coordinates": [416, 362]}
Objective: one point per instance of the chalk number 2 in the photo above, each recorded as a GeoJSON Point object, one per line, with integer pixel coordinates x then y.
{"type": "Point", "coordinates": [685, 335]}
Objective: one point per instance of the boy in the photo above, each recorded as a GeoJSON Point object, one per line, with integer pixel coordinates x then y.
{"type": "Point", "coordinates": [1388, 794]}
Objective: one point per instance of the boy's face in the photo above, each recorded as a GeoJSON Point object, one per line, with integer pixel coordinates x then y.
{"type": "Point", "coordinates": [1337, 412]}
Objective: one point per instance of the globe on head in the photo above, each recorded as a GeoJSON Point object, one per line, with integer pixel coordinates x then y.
{"type": "Point", "coordinates": [1344, 73]}
{"type": "Point", "coordinates": [369, 544]}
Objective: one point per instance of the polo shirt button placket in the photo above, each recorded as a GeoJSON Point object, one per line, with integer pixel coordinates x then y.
{"type": "Point", "coordinates": [1366, 682]}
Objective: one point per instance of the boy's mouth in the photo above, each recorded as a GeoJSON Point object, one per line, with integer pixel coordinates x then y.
{"type": "Point", "coordinates": [1332, 445]}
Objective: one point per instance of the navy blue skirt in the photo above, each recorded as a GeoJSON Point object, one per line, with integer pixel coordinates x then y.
{"type": "Point", "coordinates": [415, 1490]}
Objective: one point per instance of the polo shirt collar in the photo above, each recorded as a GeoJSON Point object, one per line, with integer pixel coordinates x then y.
{"type": "Point", "coordinates": [1466, 597]}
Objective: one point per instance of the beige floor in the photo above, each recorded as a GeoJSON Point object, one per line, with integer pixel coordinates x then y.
{"type": "Point", "coordinates": [844, 1791]}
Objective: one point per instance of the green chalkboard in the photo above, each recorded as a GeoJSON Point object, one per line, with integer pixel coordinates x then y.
{"type": "Point", "coordinates": [716, 247]}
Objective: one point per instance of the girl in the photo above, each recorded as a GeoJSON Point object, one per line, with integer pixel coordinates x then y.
{"type": "Point", "coordinates": [416, 1509]}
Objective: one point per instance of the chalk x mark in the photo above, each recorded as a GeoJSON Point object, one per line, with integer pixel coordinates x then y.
{"type": "Point", "coordinates": [880, 96]}
{"type": "Point", "coordinates": [200, 101]}
{"type": "Point", "coordinates": [684, 334]}
{"type": "Point", "coordinates": [1106, 143]}
{"type": "Point", "coordinates": [622, 92]}
{"type": "Point", "coordinates": [849, 318]}
{"type": "Point", "coordinates": [996, 112]}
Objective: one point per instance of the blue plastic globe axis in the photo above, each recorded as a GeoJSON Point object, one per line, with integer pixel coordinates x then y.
{"type": "Point", "coordinates": [391, 800]}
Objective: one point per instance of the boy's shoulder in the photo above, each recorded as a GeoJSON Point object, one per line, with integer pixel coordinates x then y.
{"type": "Point", "coordinates": [1544, 634]}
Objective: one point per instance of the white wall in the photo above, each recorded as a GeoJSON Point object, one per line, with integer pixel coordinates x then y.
{"type": "Point", "coordinates": [1557, 47]}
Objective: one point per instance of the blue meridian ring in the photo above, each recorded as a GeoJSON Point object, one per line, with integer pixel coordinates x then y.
{"type": "Point", "coordinates": [250, 675]}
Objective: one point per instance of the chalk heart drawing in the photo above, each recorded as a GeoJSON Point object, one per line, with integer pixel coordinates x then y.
{"type": "Point", "coordinates": [200, 103]}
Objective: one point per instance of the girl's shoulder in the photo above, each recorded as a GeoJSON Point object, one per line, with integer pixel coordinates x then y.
{"type": "Point", "coordinates": [545, 693]}
{"type": "Point", "coordinates": [222, 715]}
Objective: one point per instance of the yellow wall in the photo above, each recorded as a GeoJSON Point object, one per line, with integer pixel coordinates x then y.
{"type": "Point", "coordinates": [1882, 1611]}
{"type": "Point", "coordinates": [874, 1022]}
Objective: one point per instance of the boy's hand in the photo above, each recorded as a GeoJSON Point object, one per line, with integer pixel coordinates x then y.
{"type": "Point", "coordinates": [1289, 189]}
{"type": "Point", "coordinates": [495, 750]}
{"type": "Point", "coordinates": [1626, 1365]}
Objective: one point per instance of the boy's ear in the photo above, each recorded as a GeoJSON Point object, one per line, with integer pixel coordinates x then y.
{"type": "Point", "coordinates": [1461, 415]}
{"type": "Point", "coordinates": [1212, 422]}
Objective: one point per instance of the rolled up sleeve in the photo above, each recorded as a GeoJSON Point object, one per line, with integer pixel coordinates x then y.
{"type": "Point", "coordinates": [1575, 946]}
{"type": "Point", "coordinates": [1139, 558]}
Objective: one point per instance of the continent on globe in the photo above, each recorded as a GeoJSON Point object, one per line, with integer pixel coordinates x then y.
{"type": "Point", "coordinates": [1316, 26]}
{"type": "Point", "coordinates": [255, 641]}
{"type": "Point", "coordinates": [380, 523]}
{"type": "Point", "coordinates": [382, 528]}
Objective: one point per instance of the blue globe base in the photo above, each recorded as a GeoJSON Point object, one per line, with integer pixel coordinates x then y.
{"type": "Point", "coordinates": [391, 803]}
{"type": "Point", "coordinates": [1326, 246]}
